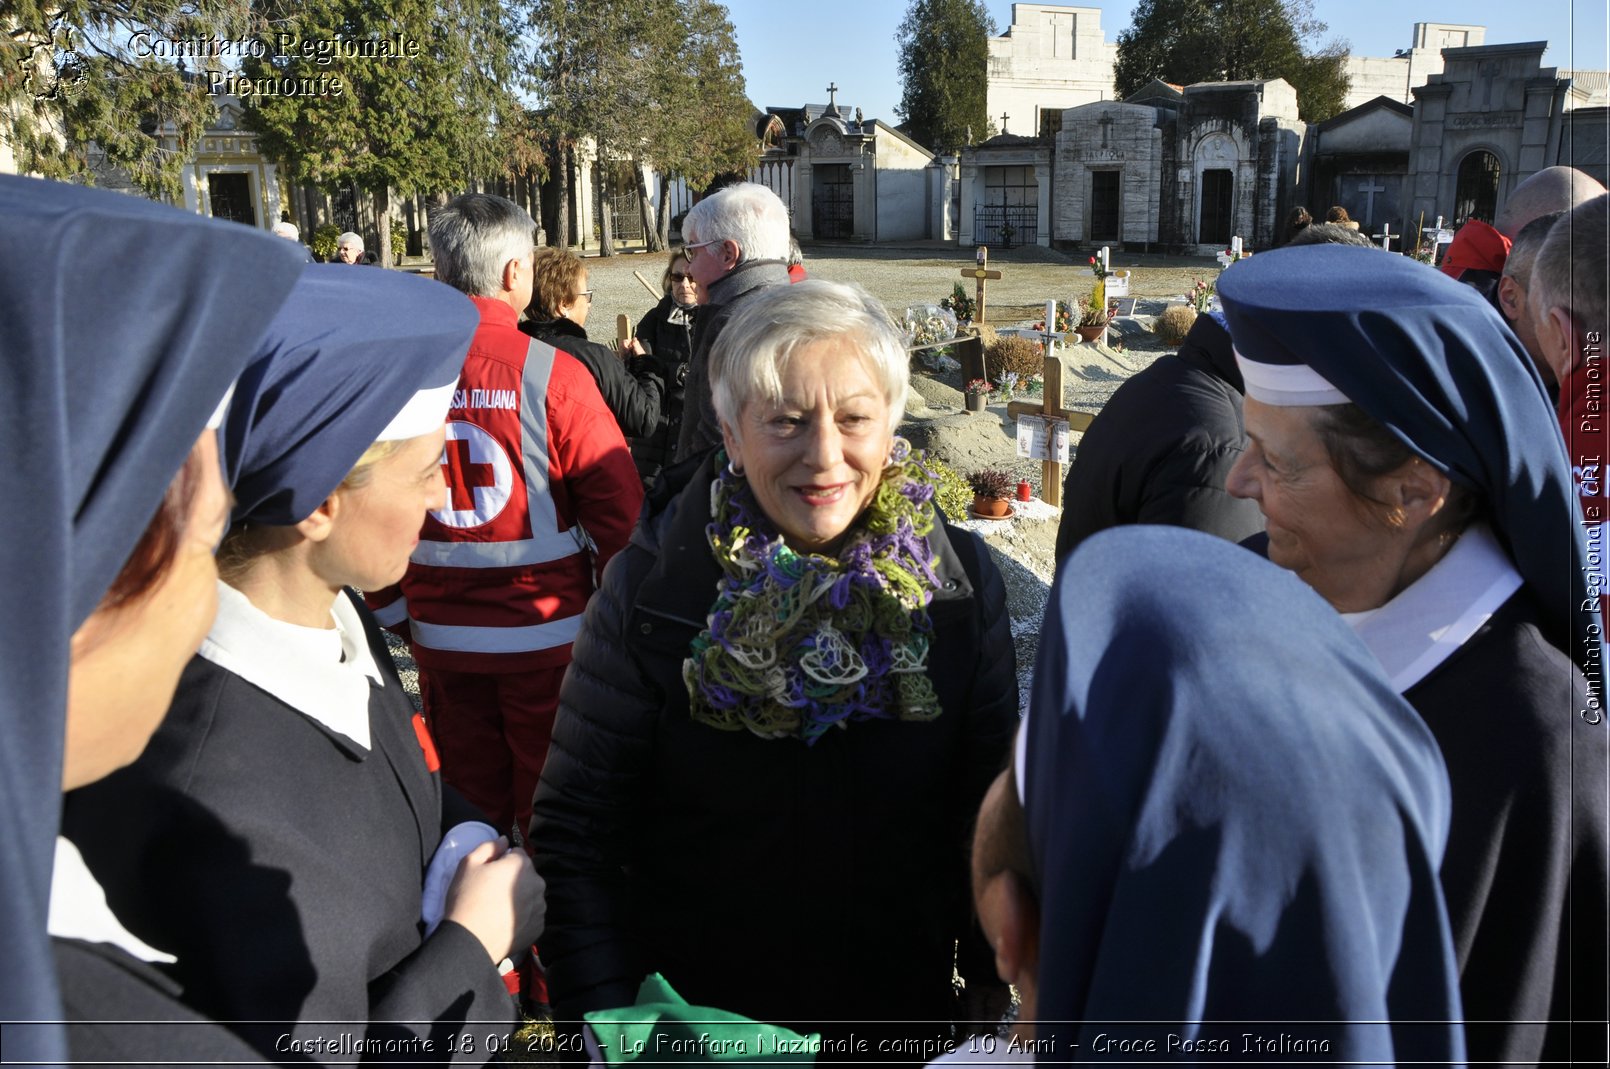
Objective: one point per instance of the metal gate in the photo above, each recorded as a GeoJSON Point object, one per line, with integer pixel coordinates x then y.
{"type": "Point", "coordinates": [1005, 225]}
{"type": "Point", "coordinates": [833, 202]}
{"type": "Point", "coordinates": [624, 206]}
{"type": "Point", "coordinates": [626, 217]}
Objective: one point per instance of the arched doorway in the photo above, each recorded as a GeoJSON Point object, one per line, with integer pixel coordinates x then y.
{"type": "Point", "coordinates": [1476, 195]}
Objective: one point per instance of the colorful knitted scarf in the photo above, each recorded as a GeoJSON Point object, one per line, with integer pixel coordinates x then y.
{"type": "Point", "coordinates": [799, 644]}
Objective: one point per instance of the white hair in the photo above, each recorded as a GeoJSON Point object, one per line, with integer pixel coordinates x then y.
{"type": "Point", "coordinates": [1569, 271]}
{"type": "Point", "coordinates": [752, 352]}
{"type": "Point", "coordinates": [286, 229]}
{"type": "Point", "coordinates": [475, 237]}
{"type": "Point", "coordinates": [349, 238]}
{"type": "Point", "coordinates": [747, 213]}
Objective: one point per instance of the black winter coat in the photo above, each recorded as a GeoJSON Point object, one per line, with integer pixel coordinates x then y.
{"type": "Point", "coordinates": [784, 882]}
{"type": "Point", "coordinates": [1161, 449]}
{"type": "Point", "coordinates": [634, 399]}
{"type": "Point", "coordinates": [666, 332]}
{"type": "Point", "coordinates": [700, 428]}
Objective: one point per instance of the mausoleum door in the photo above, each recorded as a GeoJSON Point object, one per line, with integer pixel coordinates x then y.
{"type": "Point", "coordinates": [1218, 192]}
{"type": "Point", "coordinates": [1010, 212]}
{"type": "Point", "coordinates": [1476, 196]}
{"type": "Point", "coordinates": [230, 196]}
{"type": "Point", "coordinates": [1104, 205]}
{"type": "Point", "coordinates": [832, 201]}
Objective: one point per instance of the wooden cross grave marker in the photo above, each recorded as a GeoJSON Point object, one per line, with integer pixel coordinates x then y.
{"type": "Point", "coordinates": [979, 274]}
{"type": "Point", "coordinates": [1050, 407]}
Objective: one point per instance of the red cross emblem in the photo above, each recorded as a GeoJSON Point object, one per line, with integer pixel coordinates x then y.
{"type": "Point", "coordinates": [480, 478]}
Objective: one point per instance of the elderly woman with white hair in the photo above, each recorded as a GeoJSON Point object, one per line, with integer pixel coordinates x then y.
{"type": "Point", "coordinates": [785, 704]}
{"type": "Point", "coordinates": [349, 248]}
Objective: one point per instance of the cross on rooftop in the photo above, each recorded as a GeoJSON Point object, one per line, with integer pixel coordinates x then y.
{"type": "Point", "coordinates": [832, 90]}
{"type": "Point", "coordinates": [1004, 117]}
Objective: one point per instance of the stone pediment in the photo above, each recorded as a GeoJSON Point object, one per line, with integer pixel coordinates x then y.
{"type": "Point", "coordinates": [832, 136]}
{"type": "Point", "coordinates": [1379, 125]}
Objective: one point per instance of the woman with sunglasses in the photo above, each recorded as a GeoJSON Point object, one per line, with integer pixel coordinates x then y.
{"type": "Point", "coordinates": [557, 315]}
{"type": "Point", "coordinates": [662, 345]}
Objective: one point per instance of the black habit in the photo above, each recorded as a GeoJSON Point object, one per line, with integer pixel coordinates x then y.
{"type": "Point", "coordinates": [282, 863]}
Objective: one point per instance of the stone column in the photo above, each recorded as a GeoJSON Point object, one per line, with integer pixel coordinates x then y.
{"type": "Point", "coordinates": [803, 203]}
{"type": "Point", "coordinates": [1425, 153]}
{"type": "Point", "coordinates": [964, 225]}
{"type": "Point", "coordinates": [1042, 197]}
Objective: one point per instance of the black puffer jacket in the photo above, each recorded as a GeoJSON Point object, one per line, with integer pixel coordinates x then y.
{"type": "Point", "coordinates": [785, 882]}
{"type": "Point", "coordinates": [1161, 448]}
{"type": "Point", "coordinates": [701, 430]}
{"type": "Point", "coordinates": [634, 399]}
{"type": "Point", "coordinates": [666, 332]}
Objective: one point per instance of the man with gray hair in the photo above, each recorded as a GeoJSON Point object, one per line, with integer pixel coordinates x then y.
{"type": "Point", "coordinates": [736, 244]}
{"type": "Point", "coordinates": [349, 248]}
{"type": "Point", "coordinates": [1515, 283]}
{"type": "Point", "coordinates": [541, 493]}
{"type": "Point", "coordinates": [1569, 315]}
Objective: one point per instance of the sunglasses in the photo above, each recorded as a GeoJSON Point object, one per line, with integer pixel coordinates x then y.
{"type": "Point", "coordinates": [679, 277]}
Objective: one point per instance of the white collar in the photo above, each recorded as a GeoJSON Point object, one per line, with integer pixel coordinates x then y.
{"type": "Point", "coordinates": [78, 908]}
{"type": "Point", "coordinates": [1436, 614]}
{"type": "Point", "coordinates": [323, 673]}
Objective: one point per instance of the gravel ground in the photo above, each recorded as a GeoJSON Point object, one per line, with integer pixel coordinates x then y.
{"type": "Point", "coordinates": [923, 272]}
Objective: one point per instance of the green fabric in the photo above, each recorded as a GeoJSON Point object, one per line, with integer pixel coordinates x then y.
{"type": "Point", "coordinates": [662, 1028]}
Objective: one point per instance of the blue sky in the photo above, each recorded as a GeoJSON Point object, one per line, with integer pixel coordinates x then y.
{"type": "Point", "coordinates": [791, 51]}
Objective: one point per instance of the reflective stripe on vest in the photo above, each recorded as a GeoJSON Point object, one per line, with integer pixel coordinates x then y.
{"type": "Point", "coordinates": [547, 542]}
{"type": "Point", "coordinates": [465, 639]}
{"type": "Point", "coordinates": [392, 614]}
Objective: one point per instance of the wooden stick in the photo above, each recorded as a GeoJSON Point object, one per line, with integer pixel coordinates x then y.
{"type": "Point", "coordinates": [651, 287]}
{"type": "Point", "coordinates": [623, 331]}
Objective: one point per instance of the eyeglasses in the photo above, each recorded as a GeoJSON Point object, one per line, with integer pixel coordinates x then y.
{"type": "Point", "coordinates": [679, 277]}
{"type": "Point", "coordinates": [585, 293]}
{"type": "Point", "coordinates": [687, 250]}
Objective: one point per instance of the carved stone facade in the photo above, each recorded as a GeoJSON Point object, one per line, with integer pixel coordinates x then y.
{"type": "Point", "coordinates": [1489, 120]}
{"type": "Point", "coordinates": [1185, 169]}
{"type": "Point", "coordinates": [1112, 166]}
{"type": "Point", "coordinates": [853, 178]}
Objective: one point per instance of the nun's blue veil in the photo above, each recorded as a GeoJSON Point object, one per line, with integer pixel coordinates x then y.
{"type": "Point", "coordinates": [1429, 358]}
{"type": "Point", "coordinates": [1232, 818]}
{"type": "Point", "coordinates": [122, 325]}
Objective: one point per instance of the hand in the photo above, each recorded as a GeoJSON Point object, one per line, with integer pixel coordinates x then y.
{"type": "Point", "coordinates": [498, 897]}
{"type": "Point", "coordinates": [634, 347]}
{"type": "Point", "coordinates": [983, 1004]}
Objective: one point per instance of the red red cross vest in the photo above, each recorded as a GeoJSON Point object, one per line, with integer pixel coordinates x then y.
{"type": "Point", "coordinates": [541, 492]}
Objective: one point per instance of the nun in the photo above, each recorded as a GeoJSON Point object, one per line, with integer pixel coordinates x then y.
{"type": "Point", "coordinates": [1198, 854]}
{"type": "Point", "coordinates": [122, 325]}
{"type": "Point", "coordinates": [1410, 470]}
{"type": "Point", "coordinates": [287, 837]}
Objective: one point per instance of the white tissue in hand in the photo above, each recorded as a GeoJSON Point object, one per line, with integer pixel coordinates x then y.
{"type": "Point", "coordinates": [454, 847]}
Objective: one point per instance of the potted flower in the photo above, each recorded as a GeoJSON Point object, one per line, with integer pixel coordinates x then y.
{"type": "Point", "coordinates": [1063, 323]}
{"type": "Point", "coordinates": [959, 303]}
{"type": "Point", "coordinates": [1093, 320]}
{"type": "Point", "coordinates": [977, 392]}
{"type": "Point", "coordinates": [1201, 295]}
{"type": "Point", "coordinates": [992, 493]}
